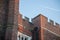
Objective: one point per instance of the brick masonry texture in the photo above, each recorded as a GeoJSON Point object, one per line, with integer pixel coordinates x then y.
{"type": "Point", "coordinates": [9, 10]}
{"type": "Point", "coordinates": [39, 28]}
{"type": "Point", "coordinates": [47, 30]}
{"type": "Point", "coordinates": [11, 22]}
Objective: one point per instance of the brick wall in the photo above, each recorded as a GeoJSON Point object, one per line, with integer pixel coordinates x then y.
{"type": "Point", "coordinates": [23, 26]}
{"type": "Point", "coordinates": [50, 36]}
{"type": "Point", "coordinates": [53, 30]}
{"type": "Point", "coordinates": [9, 10]}
{"type": "Point", "coordinates": [42, 23]}
{"type": "Point", "coordinates": [3, 18]}
{"type": "Point", "coordinates": [12, 23]}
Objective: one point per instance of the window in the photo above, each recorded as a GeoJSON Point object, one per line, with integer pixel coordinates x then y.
{"type": "Point", "coordinates": [19, 37]}
{"type": "Point", "coordinates": [22, 38]}
{"type": "Point", "coordinates": [26, 38]}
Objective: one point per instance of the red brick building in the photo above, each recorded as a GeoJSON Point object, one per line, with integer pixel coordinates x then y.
{"type": "Point", "coordinates": [14, 27]}
{"type": "Point", "coordinates": [38, 29]}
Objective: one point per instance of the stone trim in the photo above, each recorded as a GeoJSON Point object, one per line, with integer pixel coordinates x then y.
{"type": "Point", "coordinates": [51, 31]}
{"type": "Point", "coordinates": [20, 25]}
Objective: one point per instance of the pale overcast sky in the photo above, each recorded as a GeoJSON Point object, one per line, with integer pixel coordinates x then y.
{"type": "Point", "coordinates": [49, 8]}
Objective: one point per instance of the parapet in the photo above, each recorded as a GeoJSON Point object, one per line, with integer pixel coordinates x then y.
{"type": "Point", "coordinates": [53, 23]}
{"type": "Point", "coordinates": [56, 24]}
{"type": "Point", "coordinates": [36, 16]}
{"type": "Point", "coordinates": [26, 18]}
{"type": "Point", "coordinates": [39, 16]}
